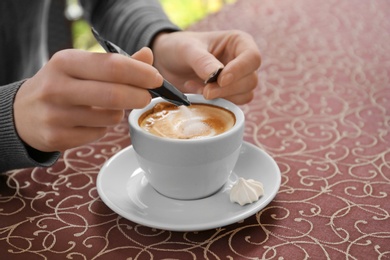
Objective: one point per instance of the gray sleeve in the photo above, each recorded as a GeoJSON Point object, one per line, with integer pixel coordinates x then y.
{"type": "Point", "coordinates": [131, 24]}
{"type": "Point", "coordinates": [14, 153]}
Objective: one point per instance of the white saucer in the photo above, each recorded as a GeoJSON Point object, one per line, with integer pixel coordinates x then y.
{"type": "Point", "coordinates": [123, 187]}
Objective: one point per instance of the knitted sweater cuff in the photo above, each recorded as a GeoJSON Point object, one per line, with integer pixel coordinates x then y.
{"type": "Point", "coordinates": [14, 153]}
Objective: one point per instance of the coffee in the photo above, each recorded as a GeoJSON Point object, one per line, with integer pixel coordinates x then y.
{"type": "Point", "coordinates": [192, 122]}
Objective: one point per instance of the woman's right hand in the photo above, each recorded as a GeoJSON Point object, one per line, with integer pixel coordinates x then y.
{"type": "Point", "coordinates": [78, 94]}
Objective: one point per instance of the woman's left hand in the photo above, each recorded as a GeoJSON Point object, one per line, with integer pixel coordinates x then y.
{"type": "Point", "coordinates": [187, 59]}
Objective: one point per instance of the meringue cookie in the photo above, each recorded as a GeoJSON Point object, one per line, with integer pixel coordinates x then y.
{"type": "Point", "coordinates": [246, 191]}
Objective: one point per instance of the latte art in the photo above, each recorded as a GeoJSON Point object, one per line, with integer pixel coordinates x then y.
{"type": "Point", "coordinates": [195, 121]}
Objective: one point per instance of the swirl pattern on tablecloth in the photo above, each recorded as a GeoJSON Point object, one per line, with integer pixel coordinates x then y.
{"type": "Point", "coordinates": [322, 111]}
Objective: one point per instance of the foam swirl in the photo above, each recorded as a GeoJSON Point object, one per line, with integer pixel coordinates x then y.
{"type": "Point", "coordinates": [193, 122]}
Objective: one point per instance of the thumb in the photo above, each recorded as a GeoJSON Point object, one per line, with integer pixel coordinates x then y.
{"type": "Point", "coordinates": [203, 62]}
{"type": "Point", "coordinates": [145, 55]}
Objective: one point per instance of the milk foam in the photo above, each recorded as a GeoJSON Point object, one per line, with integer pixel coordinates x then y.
{"type": "Point", "coordinates": [192, 123]}
{"type": "Point", "coordinates": [195, 121]}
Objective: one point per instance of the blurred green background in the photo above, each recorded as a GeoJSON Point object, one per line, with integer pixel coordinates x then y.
{"type": "Point", "coordinates": [181, 12]}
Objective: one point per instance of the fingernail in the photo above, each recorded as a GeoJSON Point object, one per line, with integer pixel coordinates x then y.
{"type": "Point", "coordinates": [226, 79]}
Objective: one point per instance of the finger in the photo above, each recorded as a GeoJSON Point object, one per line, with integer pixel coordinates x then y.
{"type": "Point", "coordinates": [193, 86]}
{"type": "Point", "coordinates": [202, 61]}
{"type": "Point", "coordinates": [107, 67]}
{"type": "Point", "coordinates": [241, 99]}
{"type": "Point", "coordinates": [241, 86]}
{"type": "Point", "coordinates": [81, 116]}
{"type": "Point", "coordinates": [62, 139]}
{"type": "Point", "coordinates": [245, 58]}
{"type": "Point", "coordinates": [97, 117]}
{"type": "Point", "coordinates": [99, 94]}
{"type": "Point", "coordinates": [144, 55]}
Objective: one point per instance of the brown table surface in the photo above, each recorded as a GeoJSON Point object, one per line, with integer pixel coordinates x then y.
{"type": "Point", "coordinates": [322, 111]}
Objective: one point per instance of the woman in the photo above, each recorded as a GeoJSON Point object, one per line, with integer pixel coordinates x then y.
{"type": "Point", "coordinates": [49, 106]}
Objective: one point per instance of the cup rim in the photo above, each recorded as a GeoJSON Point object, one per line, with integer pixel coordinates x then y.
{"type": "Point", "coordinates": [195, 98]}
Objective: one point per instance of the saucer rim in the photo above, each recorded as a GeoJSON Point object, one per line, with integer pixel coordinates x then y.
{"type": "Point", "coordinates": [251, 209]}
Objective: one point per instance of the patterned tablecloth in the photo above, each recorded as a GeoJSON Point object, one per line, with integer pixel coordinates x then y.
{"type": "Point", "coordinates": [322, 111]}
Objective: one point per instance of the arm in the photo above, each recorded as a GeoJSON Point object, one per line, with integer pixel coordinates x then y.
{"type": "Point", "coordinates": [129, 24]}
{"type": "Point", "coordinates": [13, 151]}
{"type": "Point", "coordinates": [22, 125]}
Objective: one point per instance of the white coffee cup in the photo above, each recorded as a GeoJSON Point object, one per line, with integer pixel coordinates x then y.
{"type": "Point", "coordinates": [188, 169]}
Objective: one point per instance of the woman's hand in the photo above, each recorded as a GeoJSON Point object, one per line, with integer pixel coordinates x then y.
{"type": "Point", "coordinates": [74, 98]}
{"type": "Point", "coordinates": [187, 59]}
